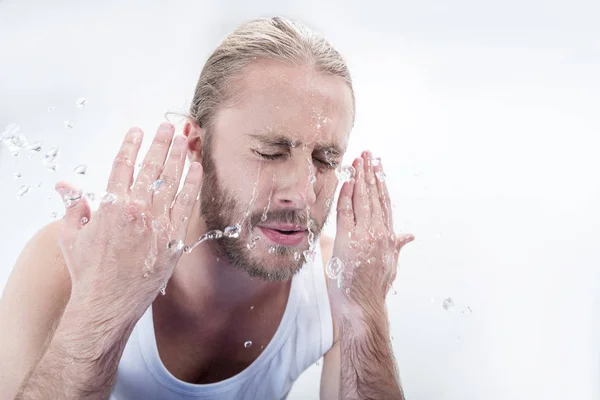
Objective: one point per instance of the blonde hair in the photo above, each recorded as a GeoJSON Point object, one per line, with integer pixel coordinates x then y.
{"type": "Point", "coordinates": [274, 38]}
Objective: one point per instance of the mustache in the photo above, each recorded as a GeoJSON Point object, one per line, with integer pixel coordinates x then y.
{"type": "Point", "coordinates": [286, 217]}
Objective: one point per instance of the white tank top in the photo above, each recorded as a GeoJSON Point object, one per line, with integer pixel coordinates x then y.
{"type": "Point", "coordinates": [303, 336]}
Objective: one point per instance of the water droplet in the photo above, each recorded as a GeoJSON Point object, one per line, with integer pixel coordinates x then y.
{"type": "Point", "coordinates": [375, 161]}
{"type": "Point", "coordinates": [252, 244]}
{"type": "Point", "coordinates": [313, 178]}
{"type": "Point", "coordinates": [12, 139]}
{"type": "Point", "coordinates": [69, 124]}
{"type": "Point", "coordinates": [37, 146]}
{"type": "Point", "coordinates": [248, 344]}
{"type": "Point", "coordinates": [39, 184]}
{"type": "Point", "coordinates": [251, 308]}
{"type": "Point", "coordinates": [156, 185]}
{"type": "Point", "coordinates": [90, 196]}
{"type": "Point", "coordinates": [293, 143]}
{"type": "Point", "coordinates": [391, 337]}
{"type": "Point", "coordinates": [317, 363]}
{"type": "Point", "coordinates": [372, 231]}
{"type": "Point", "coordinates": [51, 108]}
{"type": "Point", "coordinates": [212, 235]}
{"type": "Point", "coordinates": [345, 173]}
{"type": "Point", "coordinates": [50, 159]}
{"type": "Point", "coordinates": [108, 198]}
{"type": "Point", "coordinates": [71, 197]}
{"type": "Point", "coordinates": [272, 249]}
{"type": "Point", "coordinates": [297, 256]}
{"type": "Point", "coordinates": [347, 290]}
{"type": "Point", "coordinates": [80, 169]}
{"type": "Point", "coordinates": [380, 175]}
{"type": "Point", "coordinates": [81, 102]}
{"type": "Point", "coordinates": [328, 202]}
{"type": "Point", "coordinates": [23, 190]}
{"type": "Point", "coordinates": [54, 215]}
{"type": "Point", "coordinates": [175, 245]}
{"type": "Point", "coordinates": [163, 289]}
{"type": "Point", "coordinates": [448, 304]}
{"type": "Point", "coordinates": [232, 231]}
{"type": "Point", "coordinates": [371, 260]}
{"type": "Point", "coordinates": [467, 310]}
{"type": "Point", "coordinates": [84, 220]}
{"type": "Point", "coordinates": [18, 175]}
{"type": "Point", "coordinates": [309, 255]}
{"type": "Point", "coordinates": [334, 268]}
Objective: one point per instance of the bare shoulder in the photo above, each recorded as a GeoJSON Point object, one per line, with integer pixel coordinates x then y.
{"type": "Point", "coordinates": [32, 302]}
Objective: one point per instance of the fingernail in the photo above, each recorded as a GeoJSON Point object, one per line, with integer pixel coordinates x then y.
{"type": "Point", "coordinates": [165, 125]}
{"type": "Point", "coordinates": [195, 166]}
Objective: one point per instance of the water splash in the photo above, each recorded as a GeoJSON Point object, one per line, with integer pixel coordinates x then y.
{"type": "Point", "coordinates": [81, 102]}
{"type": "Point", "coordinates": [263, 218]}
{"type": "Point", "coordinates": [69, 124]}
{"type": "Point", "coordinates": [49, 160]}
{"type": "Point", "coordinates": [380, 175]}
{"type": "Point", "coordinates": [12, 139]}
{"type": "Point", "coordinates": [163, 289]}
{"type": "Point", "coordinates": [18, 175]}
{"type": "Point", "coordinates": [345, 173]}
{"type": "Point", "coordinates": [334, 268]}
{"type": "Point", "coordinates": [156, 185]}
{"type": "Point", "coordinates": [36, 147]}
{"type": "Point", "coordinates": [71, 197]}
{"type": "Point", "coordinates": [108, 198]}
{"type": "Point", "coordinates": [252, 243]}
{"type": "Point", "coordinates": [23, 190]}
{"type": "Point", "coordinates": [248, 344]}
{"type": "Point", "coordinates": [175, 245]}
{"type": "Point", "coordinates": [80, 169]}
{"type": "Point", "coordinates": [448, 303]}
{"type": "Point", "coordinates": [210, 235]}
{"type": "Point", "coordinates": [232, 232]}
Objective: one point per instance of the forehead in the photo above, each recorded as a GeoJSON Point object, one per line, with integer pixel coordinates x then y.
{"type": "Point", "coordinates": [292, 100]}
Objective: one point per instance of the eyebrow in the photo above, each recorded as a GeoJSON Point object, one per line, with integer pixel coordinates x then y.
{"type": "Point", "coordinates": [284, 141]}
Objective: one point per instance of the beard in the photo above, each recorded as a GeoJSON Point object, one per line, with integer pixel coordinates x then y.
{"type": "Point", "coordinates": [219, 208]}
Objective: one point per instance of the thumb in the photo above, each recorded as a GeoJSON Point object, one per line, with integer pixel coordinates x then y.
{"type": "Point", "coordinates": [77, 211]}
{"type": "Point", "coordinates": [402, 240]}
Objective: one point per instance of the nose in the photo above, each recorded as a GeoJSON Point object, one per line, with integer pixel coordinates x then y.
{"type": "Point", "coordinates": [293, 187]}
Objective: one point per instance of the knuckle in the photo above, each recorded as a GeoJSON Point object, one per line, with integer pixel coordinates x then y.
{"type": "Point", "coordinates": [183, 200]}
{"type": "Point", "coordinates": [168, 180]}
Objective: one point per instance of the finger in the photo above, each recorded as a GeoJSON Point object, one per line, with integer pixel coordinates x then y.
{"type": "Point", "coordinates": [345, 212]}
{"type": "Point", "coordinates": [185, 200]}
{"type": "Point", "coordinates": [360, 200]}
{"type": "Point", "coordinates": [402, 240]}
{"type": "Point", "coordinates": [153, 163]}
{"type": "Point", "coordinates": [77, 212]}
{"type": "Point", "coordinates": [384, 196]}
{"type": "Point", "coordinates": [123, 165]}
{"type": "Point", "coordinates": [373, 194]}
{"type": "Point", "coordinates": [163, 197]}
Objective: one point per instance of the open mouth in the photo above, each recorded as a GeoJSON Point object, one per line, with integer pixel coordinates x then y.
{"type": "Point", "coordinates": [284, 237]}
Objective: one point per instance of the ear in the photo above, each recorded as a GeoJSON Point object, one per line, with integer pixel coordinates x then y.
{"type": "Point", "coordinates": [195, 136]}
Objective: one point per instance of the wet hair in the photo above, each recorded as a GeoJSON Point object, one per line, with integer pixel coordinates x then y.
{"type": "Point", "coordinates": [276, 38]}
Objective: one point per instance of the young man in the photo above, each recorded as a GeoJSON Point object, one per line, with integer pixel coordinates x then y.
{"type": "Point", "coordinates": [245, 313]}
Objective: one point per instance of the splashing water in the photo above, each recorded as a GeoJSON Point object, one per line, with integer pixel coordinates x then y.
{"type": "Point", "coordinates": [334, 268]}
{"type": "Point", "coordinates": [345, 173]}
{"type": "Point", "coordinates": [18, 175]}
{"type": "Point", "coordinates": [80, 169]}
{"type": "Point", "coordinates": [163, 289]}
{"type": "Point", "coordinates": [210, 235]}
{"type": "Point", "coordinates": [37, 147]}
{"type": "Point", "coordinates": [467, 310]}
{"type": "Point", "coordinates": [380, 175]}
{"type": "Point", "coordinates": [23, 190]}
{"type": "Point", "coordinates": [156, 185]}
{"type": "Point", "coordinates": [375, 161]}
{"type": "Point", "coordinates": [49, 160]}
{"type": "Point", "coordinates": [69, 124]}
{"type": "Point", "coordinates": [448, 304]}
{"type": "Point", "coordinates": [90, 196]}
{"type": "Point", "coordinates": [248, 344]}
{"type": "Point", "coordinates": [252, 243]}
{"type": "Point", "coordinates": [81, 102]}
{"type": "Point", "coordinates": [12, 139]}
{"type": "Point", "coordinates": [108, 198]}
{"type": "Point", "coordinates": [71, 197]}
{"type": "Point", "coordinates": [175, 245]}
{"type": "Point", "coordinates": [232, 232]}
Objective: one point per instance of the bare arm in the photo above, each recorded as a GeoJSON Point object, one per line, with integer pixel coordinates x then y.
{"type": "Point", "coordinates": [82, 359]}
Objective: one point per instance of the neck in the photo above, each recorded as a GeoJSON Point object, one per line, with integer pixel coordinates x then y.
{"type": "Point", "coordinates": [205, 284]}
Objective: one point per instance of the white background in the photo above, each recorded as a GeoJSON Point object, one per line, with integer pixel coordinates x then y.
{"type": "Point", "coordinates": [486, 117]}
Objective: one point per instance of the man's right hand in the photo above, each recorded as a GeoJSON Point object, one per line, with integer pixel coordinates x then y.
{"type": "Point", "coordinates": [118, 259]}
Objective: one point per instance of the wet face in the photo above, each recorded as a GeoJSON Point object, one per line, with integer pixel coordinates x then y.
{"type": "Point", "coordinates": [270, 165]}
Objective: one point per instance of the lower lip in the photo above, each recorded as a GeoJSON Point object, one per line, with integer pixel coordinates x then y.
{"type": "Point", "coordinates": [282, 239]}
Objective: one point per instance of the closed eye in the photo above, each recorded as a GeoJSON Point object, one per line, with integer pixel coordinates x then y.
{"type": "Point", "coordinates": [277, 156]}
